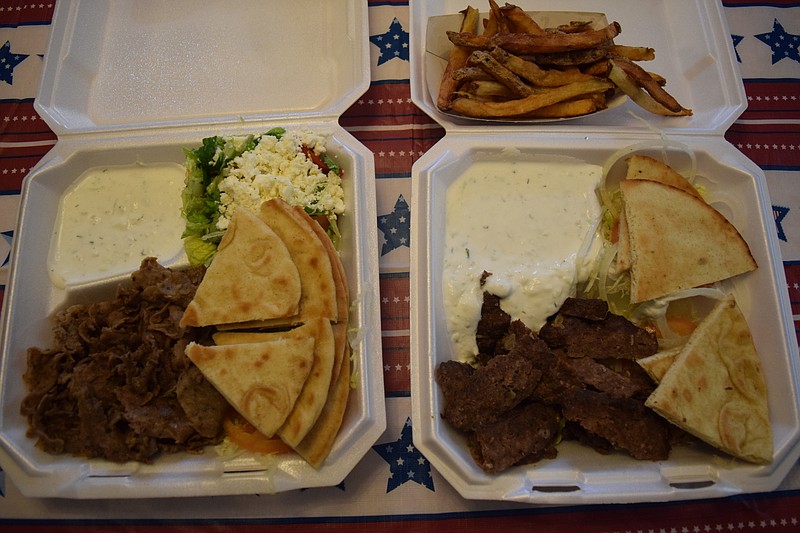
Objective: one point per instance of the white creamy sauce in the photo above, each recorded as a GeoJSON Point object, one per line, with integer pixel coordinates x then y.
{"type": "Point", "coordinates": [531, 224]}
{"type": "Point", "coordinates": [113, 217]}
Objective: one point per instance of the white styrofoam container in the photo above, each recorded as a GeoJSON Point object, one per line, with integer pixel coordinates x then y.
{"type": "Point", "coordinates": [128, 83]}
{"type": "Point", "coordinates": [736, 187]}
{"type": "Point", "coordinates": [692, 47]}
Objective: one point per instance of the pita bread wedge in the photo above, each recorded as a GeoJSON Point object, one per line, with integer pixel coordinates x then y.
{"type": "Point", "coordinates": [252, 277]}
{"type": "Point", "coordinates": [678, 241]}
{"type": "Point", "coordinates": [656, 365]}
{"type": "Point", "coordinates": [715, 388]}
{"type": "Point", "coordinates": [623, 244]}
{"type": "Point", "coordinates": [642, 167]}
{"type": "Point", "coordinates": [261, 380]}
{"type": "Point", "coordinates": [315, 391]}
{"type": "Point", "coordinates": [318, 297]}
{"type": "Point", "coordinates": [317, 444]}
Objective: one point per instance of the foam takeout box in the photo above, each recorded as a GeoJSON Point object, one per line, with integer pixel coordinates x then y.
{"type": "Point", "coordinates": [694, 53]}
{"type": "Point", "coordinates": [134, 83]}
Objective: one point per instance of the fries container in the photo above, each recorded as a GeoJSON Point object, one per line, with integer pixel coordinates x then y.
{"type": "Point", "coordinates": [693, 52]}
{"type": "Point", "coordinates": [134, 83]}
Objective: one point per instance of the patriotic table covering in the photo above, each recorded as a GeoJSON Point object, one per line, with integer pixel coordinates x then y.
{"type": "Point", "coordinates": [394, 488]}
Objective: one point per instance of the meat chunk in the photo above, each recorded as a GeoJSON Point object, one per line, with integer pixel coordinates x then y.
{"type": "Point", "coordinates": [528, 431]}
{"type": "Point", "coordinates": [585, 335]}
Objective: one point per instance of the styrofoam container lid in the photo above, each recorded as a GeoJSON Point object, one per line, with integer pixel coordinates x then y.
{"type": "Point", "coordinates": [735, 186]}
{"type": "Point", "coordinates": [118, 64]}
{"type": "Point", "coordinates": [693, 51]}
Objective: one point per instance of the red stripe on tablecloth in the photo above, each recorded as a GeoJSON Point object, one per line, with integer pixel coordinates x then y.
{"type": "Point", "coordinates": [396, 364]}
{"type": "Point", "coordinates": [395, 302]}
{"type": "Point", "coordinates": [761, 512]}
{"type": "Point", "coordinates": [384, 104]}
{"type": "Point", "coordinates": [16, 13]}
{"type": "Point", "coordinates": [793, 284]}
{"type": "Point", "coordinates": [396, 150]}
{"type": "Point", "coordinates": [19, 122]}
{"type": "Point", "coordinates": [16, 162]}
{"type": "Point", "coordinates": [771, 146]}
{"type": "Point", "coordinates": [769, 3]}
{"type": "Point", "coordinates": [772, 100]}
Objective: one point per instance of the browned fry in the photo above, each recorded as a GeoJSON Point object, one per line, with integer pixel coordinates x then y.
{"type": "Point", "coordinates": [643, 98]}
{"type": "Point", "coordinates": [458, 58]}
{"type": "Point", "coordinates": [502, 23]}
{"type": "Point", "coordinates": [575, 58]}
{"type": "Point", "coordinates": [488, 89]}
{"type": "Point", "coordinates": [546, 43]}
{"type": "Point", "coordinates": [570, 108]}
{"type": "Point", "coordinates": [471, 74]}
{"type": "Point", "coordinates": [575, 26]}
{"type": "Point", "coordinates": [519, 20]}
{"type": "Point", "coordinates": [499, 72]}
{"type": "Point", "coordinates": [634, 53]}
{"type": "Point", "coordinates": [522, 106]}
{"type": "Point", "coordinates": [599, 68]}
{"type": "Point", "coordinates": [536, 75]}
{"type": "Point", "coordinates": [490, 25]}
{"type": "Point", "coordinates": [644, 80]}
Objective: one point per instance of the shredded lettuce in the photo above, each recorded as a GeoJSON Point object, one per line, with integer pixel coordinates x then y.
{"type": "Point", "coordinates": [201, 196]}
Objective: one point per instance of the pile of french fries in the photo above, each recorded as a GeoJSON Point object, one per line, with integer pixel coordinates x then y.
{"type": "Point", "coordinates": [515, 69]}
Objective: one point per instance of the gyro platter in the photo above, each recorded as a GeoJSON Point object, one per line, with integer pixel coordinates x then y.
{"type": "Point", "coordinates": [601, 314]}
{"type": "Point", "coordinates": [183, 317]}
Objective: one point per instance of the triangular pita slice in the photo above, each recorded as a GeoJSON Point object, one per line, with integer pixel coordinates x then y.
{"type": "Point", "coordinates": [623, 244]}
{"type": "Point", "coordinates": [656, 365]}
{"type": "Point", "coordinates": [677, 241]}
{"type": "Point", "coordinates": [642, 167]}
{"type": "Point", "coordinates": [317, 444]}
{"type": "Point", "coordinates": [318, 297]}
{"type": "Point", "coordinates": [261, 380]}
{"type": "Point", "coordinates": [252, 277]}
{"type": "Point", "coordinates": [715, 388]}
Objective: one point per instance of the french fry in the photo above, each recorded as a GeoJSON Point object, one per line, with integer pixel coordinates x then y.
{"type": "Point", "coordinates": [470, 74]}
{"type": "Point", "coordinates": [570, 108]}
{"type": "Point", "coordinates": [575, 26]}
{"type": "Point", "coordinates": [523, 106]}
{"type": "Point", "coordinates": [644, 80]}
{"type": "Point", "coordinates": [520, 21]}
{"type": "Point", "coordinates": [574, 58]}
{"type": "Point", "coordinates": [641, 97]}
{"type": "Point", "coordinates": [458, 58]}
{"type": "Point", "coordinates": [634, 53]}
{"type": "Point", "coordinates": [487, 89]}
{"type": "Point", "coordinates": [502, 23]}
{"type": "Point", "coordinates": [500, 73]}
{"type": "Point", "coordinates": [545, 43]}
{"type": "Point", "coordinates": [536, 75]}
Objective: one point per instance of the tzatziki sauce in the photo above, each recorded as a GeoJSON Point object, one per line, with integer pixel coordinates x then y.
{"type": "Point", "coordinates": [112, 217]}
{"type": "Point", "coordinates": [531, 223]}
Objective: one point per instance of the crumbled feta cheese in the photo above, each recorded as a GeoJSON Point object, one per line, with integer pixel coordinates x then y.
{"type": "Point", "coordinates": [279, 169]}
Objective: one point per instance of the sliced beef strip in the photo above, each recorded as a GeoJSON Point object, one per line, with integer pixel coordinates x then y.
{"type": "Point", "coordinates": [492, 327]}
{"type": "Point", "coordinates": [626, 424]}
{"type": "Point", "coordinates": [612, 337]}
{"type": "Point", "coordinates": [525, 432]}
{"type": "Point", "coordinates": [474, 397]}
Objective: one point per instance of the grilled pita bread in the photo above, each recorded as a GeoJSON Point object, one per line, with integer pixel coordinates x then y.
{"type": "Point", "coordinates": [642, 167]}
{"type": "Point", "coordinates": [678, 241]}
{"type": "Point", "coordinates": [261, 380]}
{"type": "Point", "coordinates": [252, 277]}
{"type": "Point", "coordinates": [308, 252]}
{"type": "Point", "coordinates": [656, 365]}
{"type": "Point", "coordinates": [315, 390]}
{"type": "Point", "coordinates": [715, 388]}
{"type": "Point", "coordinates": [317, 444]}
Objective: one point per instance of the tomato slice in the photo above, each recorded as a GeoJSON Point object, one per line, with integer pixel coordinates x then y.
{"type": "Point", "coordinates": [246, 436]}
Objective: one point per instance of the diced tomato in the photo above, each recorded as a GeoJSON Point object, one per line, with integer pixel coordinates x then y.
{"type": "Point", "coordinates": [317, 160]}
{"type": "Point", "coordinates": [615, 232]}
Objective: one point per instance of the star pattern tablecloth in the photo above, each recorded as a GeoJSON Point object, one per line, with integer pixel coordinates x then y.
{"type": "Point", "coordinates": [394, 488]}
